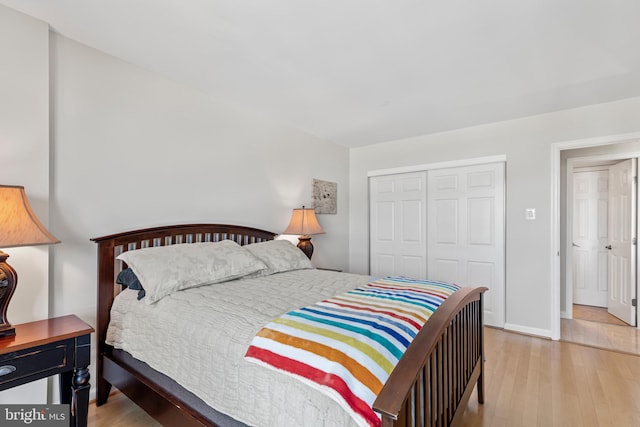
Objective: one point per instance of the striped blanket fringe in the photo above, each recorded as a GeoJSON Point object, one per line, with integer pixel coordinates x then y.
{"type": "Point", "coordinates": [346, 346]}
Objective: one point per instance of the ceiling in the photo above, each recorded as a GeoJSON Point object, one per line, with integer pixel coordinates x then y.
{"type": "Point", "coordinates": [359, 72]}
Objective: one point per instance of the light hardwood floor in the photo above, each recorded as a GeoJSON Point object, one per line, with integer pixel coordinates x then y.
{"type": "Point", "coordinates": [119, 411]}
{"type": "Point", "coordinates": [595, 327]}
{"type": "Point", "coordinates": [595, 314]}
{"type": "Point", "coordinates": [538, 382]}
{"type": "Point", "coordinates": [529, 382]}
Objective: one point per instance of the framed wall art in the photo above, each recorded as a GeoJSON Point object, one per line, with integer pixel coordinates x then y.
{"type": "Point", "coordinates": [325, 197]}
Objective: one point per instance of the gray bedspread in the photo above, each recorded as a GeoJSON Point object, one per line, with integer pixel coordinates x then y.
{"type": "Point", "coordinates": [199, 337]}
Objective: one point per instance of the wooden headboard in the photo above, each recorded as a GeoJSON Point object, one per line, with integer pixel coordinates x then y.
{"type": "Point", "coordinates": [109, 247]}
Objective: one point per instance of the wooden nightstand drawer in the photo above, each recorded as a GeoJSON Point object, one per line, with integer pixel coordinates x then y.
{"type": "Point", "coordinates": [38, 361]}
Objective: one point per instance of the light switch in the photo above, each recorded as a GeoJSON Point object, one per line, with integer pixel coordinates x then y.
{"type": "Point", "coordinates": [531, 213]}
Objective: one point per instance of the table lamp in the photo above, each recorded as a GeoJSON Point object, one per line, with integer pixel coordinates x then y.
{"type": "Point", "coordinates": [18, 227]}
{"type": "Point", "coordinates": [304, 223]}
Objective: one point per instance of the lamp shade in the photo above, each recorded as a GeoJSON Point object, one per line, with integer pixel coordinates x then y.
{"type": "Point", "coordinates": [303, 221]}
{"type": "Point", "coordinates": [18, 224]}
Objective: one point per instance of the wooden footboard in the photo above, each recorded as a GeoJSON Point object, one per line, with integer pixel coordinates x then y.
{"type": "Point", "coordinates": [431, 384]}
{"type": "Point", "coordinates": [429, 387]}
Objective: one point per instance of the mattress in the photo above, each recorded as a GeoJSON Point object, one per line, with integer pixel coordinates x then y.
{"type": "Point", "coordinates": [199, 338]}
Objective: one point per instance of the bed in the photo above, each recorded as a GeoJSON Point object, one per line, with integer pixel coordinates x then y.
{"type": "Point", "coordinates": [430, 385]}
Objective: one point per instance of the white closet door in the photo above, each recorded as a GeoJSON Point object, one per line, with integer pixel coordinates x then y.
{"type": "Point", "coordinates": [466, 231]}
{"type": "Point", "coordinates": [398, 223]}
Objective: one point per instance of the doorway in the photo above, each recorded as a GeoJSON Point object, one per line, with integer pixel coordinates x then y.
{"type": "Point", "coordinates": [609, 145]}
{"type": "Point", "coordinates": [600, 260]}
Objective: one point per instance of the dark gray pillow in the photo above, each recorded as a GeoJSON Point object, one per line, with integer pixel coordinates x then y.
{"type": "Point", "coordinates": [129, 279]}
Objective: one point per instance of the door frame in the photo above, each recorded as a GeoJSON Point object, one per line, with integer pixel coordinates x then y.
{"type": "Point", "coordinates": [556, 220]}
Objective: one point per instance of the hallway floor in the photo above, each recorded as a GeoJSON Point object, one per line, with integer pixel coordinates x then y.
{"type": "Point", "coordinates": [596, 328]}
{"type": "Point", "coordinates": [595, 314]}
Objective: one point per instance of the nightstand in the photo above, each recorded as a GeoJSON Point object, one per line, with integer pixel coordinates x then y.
{"type": "Point", "coordinates": [62, 346]}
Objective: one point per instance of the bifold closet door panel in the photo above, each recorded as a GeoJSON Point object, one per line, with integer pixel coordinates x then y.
{"type": "Point", "coordinates": [465, 231]}
{"type": "Point", "coordinates": [398, 225]}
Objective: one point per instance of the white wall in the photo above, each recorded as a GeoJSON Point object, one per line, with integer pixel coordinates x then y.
{"type": "Point", "coordinates": [132, 149]}
{"type": "Point", "coordinates": [527, 145]}
{"type": "Point", "coordinates": [24, 143]}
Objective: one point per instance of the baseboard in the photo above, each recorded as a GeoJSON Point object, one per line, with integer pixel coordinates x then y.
{"type": "Point", "coordinates": [544, 333]}
{"type": "Point", "coordinates": [565, 315]}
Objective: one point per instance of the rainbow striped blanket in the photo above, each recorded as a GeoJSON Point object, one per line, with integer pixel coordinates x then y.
{"type": "Point", "coordinates": [346, 346]}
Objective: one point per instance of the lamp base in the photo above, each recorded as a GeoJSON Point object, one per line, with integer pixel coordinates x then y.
{"type": "Point", "coordinates": [305, 245]}
{"type": "Point", "coordinates": [8, 281]}
{"type": "Point", "coordinates": [7, 331]}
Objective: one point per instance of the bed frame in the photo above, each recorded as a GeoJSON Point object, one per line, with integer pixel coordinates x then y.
{"type": "Point", "coordinates": [430, 386]}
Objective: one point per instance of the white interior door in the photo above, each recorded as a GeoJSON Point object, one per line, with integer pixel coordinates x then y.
{"type": "Point", "coordinates": [398, 224]}
{"type": "Point", "coordinates": [590, 237]}
{"type": "Point", "coordinates": [466, 231]}
{"type": "Point", "coordinates": [622, 234]}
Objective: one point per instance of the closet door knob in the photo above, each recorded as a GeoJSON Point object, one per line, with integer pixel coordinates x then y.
{"type": "Point", "coordinates": [608, 247]}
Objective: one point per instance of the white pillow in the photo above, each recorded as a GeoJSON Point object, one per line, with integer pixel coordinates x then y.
{"type": "Point", "coordinates": [163, 270]}
{"type": "Point", "coordinates": [279, 256]}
